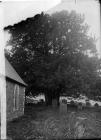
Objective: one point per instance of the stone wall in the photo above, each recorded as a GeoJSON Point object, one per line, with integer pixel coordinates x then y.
{"type": "Point", "coordinates": [11, 113]}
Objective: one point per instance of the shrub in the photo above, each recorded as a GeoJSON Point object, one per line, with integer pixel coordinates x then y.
{"type": "Point", "coordinates": [72, 103]}
{"type": "Point", "coordinates": [80, 105]}
{"type": "Point", "coordinates": [64, 101]}
{"type": "Point", "coordinates": [88, 104]}
{"type": "Point", "coordinates": [96, 105]}
{"type": "Point", "coordinates": [41, 100]}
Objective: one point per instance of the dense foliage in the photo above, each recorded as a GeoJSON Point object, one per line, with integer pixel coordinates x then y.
{"type": "Point", "coordinates": [54, 54]}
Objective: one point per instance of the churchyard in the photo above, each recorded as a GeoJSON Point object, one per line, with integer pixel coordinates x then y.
{"type": "Point", "coordinates": [47, 123]}
{"type": "Point", "coordinates": [54, 54]}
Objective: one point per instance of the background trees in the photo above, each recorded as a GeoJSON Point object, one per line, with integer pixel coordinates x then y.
{"type": "Point", "coordinates": [54, 54]}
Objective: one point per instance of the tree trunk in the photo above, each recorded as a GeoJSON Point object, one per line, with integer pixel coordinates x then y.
{"type": "Point", "coordinates": [58, 97]}
{"type": "Point", "coordinates": [48, 99]}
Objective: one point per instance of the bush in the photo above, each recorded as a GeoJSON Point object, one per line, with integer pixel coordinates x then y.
{"type": "Point", "coordinates": [96, 105]}
{"type": "Point", "coordinates": [64, 101]}
{"type": "Point", "coordinates": [72, 103]}
{"type": "Point", "coordinates": [80, 105]}
{"type": "Point", "coordinates": [41, 100]}
{"type": "Point", "coordinates": [88, 104]}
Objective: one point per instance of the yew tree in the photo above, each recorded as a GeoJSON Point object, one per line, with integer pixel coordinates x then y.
{"type": "Point", "coordinates": [54, 54]}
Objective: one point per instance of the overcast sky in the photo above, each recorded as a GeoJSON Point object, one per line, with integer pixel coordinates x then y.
{"type": "Point", "coordinates": [15, 11]}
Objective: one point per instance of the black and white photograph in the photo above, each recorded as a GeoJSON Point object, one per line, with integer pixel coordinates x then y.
{"type": "Point", "coordinates": [50, 69]}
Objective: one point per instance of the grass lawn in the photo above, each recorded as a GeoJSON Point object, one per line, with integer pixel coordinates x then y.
{"type": "Point", "coordinates": [48, 123]}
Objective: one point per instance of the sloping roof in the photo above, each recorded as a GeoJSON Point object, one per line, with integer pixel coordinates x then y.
{"type": "Point", "coordinates": [12, 74]}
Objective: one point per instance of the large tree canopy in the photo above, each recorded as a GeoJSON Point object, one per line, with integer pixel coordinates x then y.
{"type": "Point", "coordinates": [54, 53]}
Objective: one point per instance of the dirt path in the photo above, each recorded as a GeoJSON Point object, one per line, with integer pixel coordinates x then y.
{"type": "Point", "coordinates": [48, 123]}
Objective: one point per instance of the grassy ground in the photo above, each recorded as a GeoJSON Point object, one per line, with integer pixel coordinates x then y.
{"type": "Point", "coordinates": [48, 123]}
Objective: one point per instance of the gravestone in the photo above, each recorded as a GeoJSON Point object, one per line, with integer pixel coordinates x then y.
{"type": "Point", "coordinates": [54, 103]}
{"type": "Point", "coordinates": [79, 127]}
{"type": "Point", "coordinates": [63, 108]}
{"type": "Point", "coordinates": [79, 106]}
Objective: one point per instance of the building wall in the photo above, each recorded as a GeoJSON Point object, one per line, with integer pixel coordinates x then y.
{"type": "Point", "coordinates": [11, 113]}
